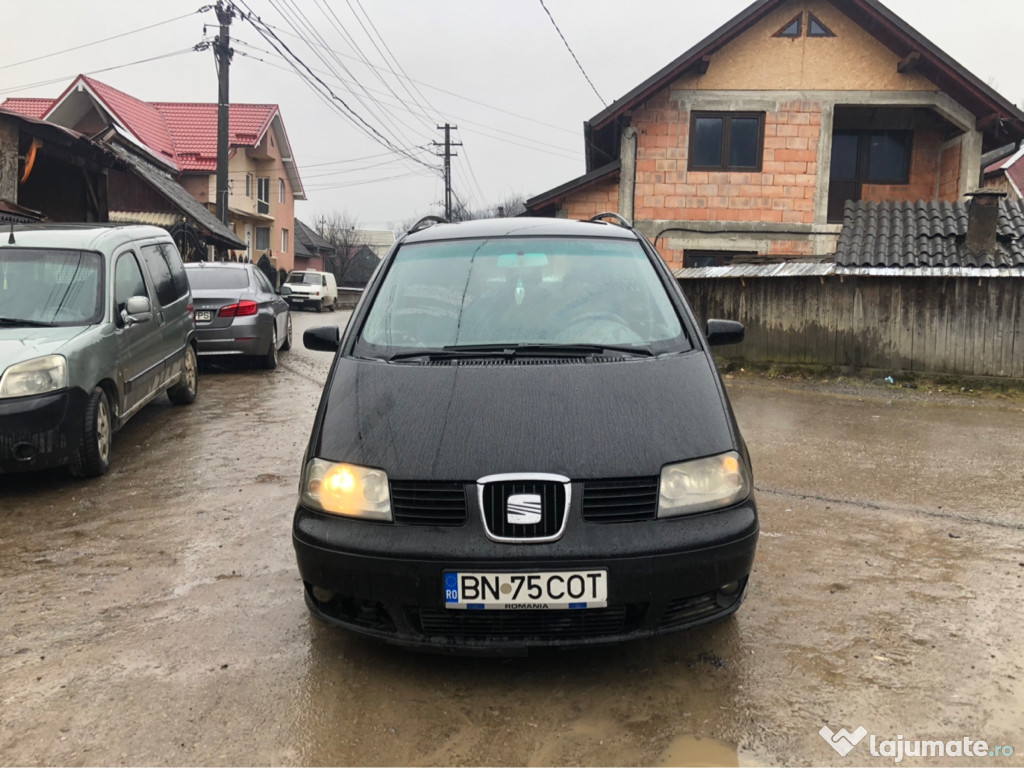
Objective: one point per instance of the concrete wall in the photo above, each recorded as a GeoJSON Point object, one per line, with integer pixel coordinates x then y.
{"type": "Point", "coordinates": [966, 326]}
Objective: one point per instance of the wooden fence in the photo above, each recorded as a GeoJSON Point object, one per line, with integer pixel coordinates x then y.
{"type": "Point", "coordinates": [957, 325]}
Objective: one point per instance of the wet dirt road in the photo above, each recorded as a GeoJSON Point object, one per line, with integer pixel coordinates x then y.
{"type": "Point", "coordinates": [154, 616]}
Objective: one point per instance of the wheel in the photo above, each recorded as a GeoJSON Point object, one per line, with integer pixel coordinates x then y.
{"type": "Point", "coordinates": [270, 359]}
{"type": "Point", "coordinates": [185, 391]}
{"type": "Point", "coordinates": [320, 306]}
{"type": "Point", "coordinates": [93, 457]}
{"type": "Point", "coordinates": [287, 335]}
{"type": "Point", "coordinates": [333, 302]}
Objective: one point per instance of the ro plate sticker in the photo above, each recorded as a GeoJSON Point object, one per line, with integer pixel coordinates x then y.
{"type": "Point", "coordinates": [451, 587]}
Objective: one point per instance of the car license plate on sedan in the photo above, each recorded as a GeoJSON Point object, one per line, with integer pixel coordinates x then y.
{"type": "Point", "coordinates": [546, 590]}
{"type": "Point", "coordinates": [203, 315]}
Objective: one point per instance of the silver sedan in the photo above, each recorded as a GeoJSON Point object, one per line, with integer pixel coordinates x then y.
{"type": "Point", "coordinates": [238, 312]}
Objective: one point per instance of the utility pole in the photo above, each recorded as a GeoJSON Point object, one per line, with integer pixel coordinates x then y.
{"type": "Point", "coordinates": [448, 155]}
{"type": "Point", "coordinates": [222, 53]}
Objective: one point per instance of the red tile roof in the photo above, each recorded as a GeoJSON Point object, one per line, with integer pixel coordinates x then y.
{"type": "Point", "coordinates": [194, 130]}
{"type": "Point", "coordinates": [35, 108]}
{"type": "Point", "coordinates": [184, 133]}
{"type": "Point", "coordinates": [1013, 167]}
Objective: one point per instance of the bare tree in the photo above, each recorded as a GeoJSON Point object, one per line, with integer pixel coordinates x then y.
{"type": "Point", "coordinates": [340, 229]}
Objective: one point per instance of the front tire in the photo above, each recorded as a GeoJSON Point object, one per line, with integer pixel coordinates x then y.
{"type": "Point", "coordinates": [93, 457]}
{"type": "Point", "coordinates": [185, 391]}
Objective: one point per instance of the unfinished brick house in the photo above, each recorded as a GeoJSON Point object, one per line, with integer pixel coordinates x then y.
{"type": "Point", "coordinates": [746, 148]}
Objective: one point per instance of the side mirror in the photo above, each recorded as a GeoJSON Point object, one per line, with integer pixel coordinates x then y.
{"type": "Point", "coordinates": [137, 310]}
{"type": "Point", "coordinates": [324, 338]}
{"type": "Point", "coordinates": [286, 290]}
{"type": "Point", "coordinates": [721, 332]}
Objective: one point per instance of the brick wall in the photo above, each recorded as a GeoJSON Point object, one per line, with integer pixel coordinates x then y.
{"type": "Point", "coordinates": [783, 192]}
{"type": "Point", "coordinates": [592, 201]}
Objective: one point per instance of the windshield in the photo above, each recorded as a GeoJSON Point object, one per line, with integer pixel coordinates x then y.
{"type": "Point", "coordinates": [305, 278]}
{"type": "Point", "coordinates": [529, 291]}
{"type": "Point", "coordinates": [50, 287]}
{"type": "Point", "coordinates": [204, 278]}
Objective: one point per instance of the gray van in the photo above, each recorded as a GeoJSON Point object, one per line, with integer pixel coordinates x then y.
{"type": "Point", "coordinates": [95, 322]}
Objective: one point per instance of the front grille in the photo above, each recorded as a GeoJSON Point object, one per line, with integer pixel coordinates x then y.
{"type": "Point", "coordinates": [524, 625]}
{"type": "Point", "coordinates": [688, 610]}
{"type": "Point", "coordinates": [428, 503]}
{"type": "Point", "coordinates": [495, 499]}
{"type": "Point", "coordinates": [620, 501]}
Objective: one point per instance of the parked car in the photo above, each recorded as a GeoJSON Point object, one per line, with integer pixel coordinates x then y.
{"type": "Point", "coordinates": [238, 312]}
{"type": "Point", "coordinates": [95, 322]}
{"type": "Point", "coordinates": [524, 441]}
{"type": "Point", "coordinates": [307, 288]}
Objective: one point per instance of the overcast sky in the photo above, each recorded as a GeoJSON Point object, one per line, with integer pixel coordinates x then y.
{"type": "Point", "coordinates": [495, 68]}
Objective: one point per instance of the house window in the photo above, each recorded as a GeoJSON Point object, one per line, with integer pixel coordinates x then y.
{"type": "Point", "coordinates": [284, 241]}
{"type": "Point", "coordinates": [248, 185]}
{"type": "Point", "coordinates": [726, 141]}
{"type": "Point", "coordinates": [262, 238]}
{"type": "Point", "coordinates": [816, 29]}
{"type": "Point", "coordinates": [693, 258]}
{"type": "Point", "coordinates": [872, 157]}
{"type": "Point", "coordinates": [792, 29]}
{"type": "Point", "coordinates": [263, 194]}
{"type": "Point", "coordinates": [280, 190]}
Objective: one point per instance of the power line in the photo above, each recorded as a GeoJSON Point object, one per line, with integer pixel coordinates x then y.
{"type": "Point", "coordinates": [106, 39]}
{"type": "Point", "coordinates": [296, 62]}
{"type": "Point", "coordinates": [571, 52]}
{"type": "Point", "coordinates": [200, 46]}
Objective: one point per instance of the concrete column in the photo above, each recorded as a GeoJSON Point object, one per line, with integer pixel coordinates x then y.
{"type": "Point", "coordinates": [828, 113]}
{"type": "Point", "coordinates": [627, 174]}
{"type": "Point", "coordinates": [970, 162]}
{"type": "Point", "coordinates": [8, 160]}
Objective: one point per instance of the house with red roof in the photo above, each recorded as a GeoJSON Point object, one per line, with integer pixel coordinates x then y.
{"type": "Point", "coordinates": [1007, 174]}
{"type": "Point", "coordinates": [180, 138]}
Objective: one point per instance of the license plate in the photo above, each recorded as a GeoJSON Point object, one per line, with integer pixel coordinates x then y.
{"type": "Point", "coordinates": [546, 590]}
{"type": "Point", "coordinates": [203, 315]}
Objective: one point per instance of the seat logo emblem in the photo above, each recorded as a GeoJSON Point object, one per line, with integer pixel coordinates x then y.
{"type": "Point", "coordinates": [523, 509]}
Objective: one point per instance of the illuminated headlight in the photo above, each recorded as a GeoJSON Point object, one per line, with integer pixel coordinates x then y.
{"type": "Point", "coordinates": [346, 489]}
{"type": "Point", "coordinates": [703, 484]}
{"type": "Point", "coordinates": [35, 377]}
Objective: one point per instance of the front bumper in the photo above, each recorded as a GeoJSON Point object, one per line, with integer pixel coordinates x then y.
{"type": "Point", "coordinates": [41, 431]}
{"type": "Point", "coordinates": [386, 580]}
{"type": "Point", "coordinates": [301, 300]}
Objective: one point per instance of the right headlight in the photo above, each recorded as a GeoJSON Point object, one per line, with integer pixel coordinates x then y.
{"type": "Point", "coordinates": [703, 484]}
{"type": "Point", "coordinates": [346, 489]}
{"type": "Point", "coordinates": [35, 377]}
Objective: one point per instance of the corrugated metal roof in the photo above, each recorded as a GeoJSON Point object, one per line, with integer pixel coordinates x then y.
{"type": "Point", "coordinates": [145, 217]}
{"type": "Point", "coordinates": [803, 269]}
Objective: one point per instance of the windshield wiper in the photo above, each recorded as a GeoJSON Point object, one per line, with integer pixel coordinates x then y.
{"type": "Point", "coordinates": [511, 351]}
{"type": "Point", "coordinates": [19, 321]}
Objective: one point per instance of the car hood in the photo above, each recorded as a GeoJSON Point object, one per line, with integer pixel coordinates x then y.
{"type": "Point", "coordinates": [583, 420]}
{"type": "Point", "coordinates": [18, 344]}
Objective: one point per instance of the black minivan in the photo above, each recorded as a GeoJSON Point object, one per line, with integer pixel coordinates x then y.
{"type": "Point", "coordinates": [524, 441]}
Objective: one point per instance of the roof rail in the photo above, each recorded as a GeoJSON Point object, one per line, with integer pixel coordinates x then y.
{"type": "Point", "coordinates": [427, 221]}
{"type": "Point", "coordinates": [615, 218]}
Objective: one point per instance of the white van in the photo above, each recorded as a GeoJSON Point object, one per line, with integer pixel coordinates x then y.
{"type": "Point", "coordinates": [306, 288]}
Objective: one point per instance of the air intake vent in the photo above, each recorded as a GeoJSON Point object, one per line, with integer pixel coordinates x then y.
{"type": "Point", "coordinates": [620, 501]}
{"type": "Point", "coordinates": [423, 503]}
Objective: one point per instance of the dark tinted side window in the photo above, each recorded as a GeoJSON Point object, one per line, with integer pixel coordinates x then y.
{"type": "Point", "coordinates": [178, 277]}
{"type": "Point", "coordinates": [166, 293]}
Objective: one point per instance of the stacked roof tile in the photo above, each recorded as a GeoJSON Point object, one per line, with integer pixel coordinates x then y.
{"type": "Point", "coordinates": [925, 234]}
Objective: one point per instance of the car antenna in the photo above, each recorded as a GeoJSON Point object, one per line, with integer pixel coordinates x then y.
{"type": "Point", "coordinates": [10, 240]}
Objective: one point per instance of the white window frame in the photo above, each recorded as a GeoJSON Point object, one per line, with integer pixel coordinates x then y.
{"type": "Point", "coordinates": [284, 241]}
{"type": "Point", "coordinates": [280, 190]}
